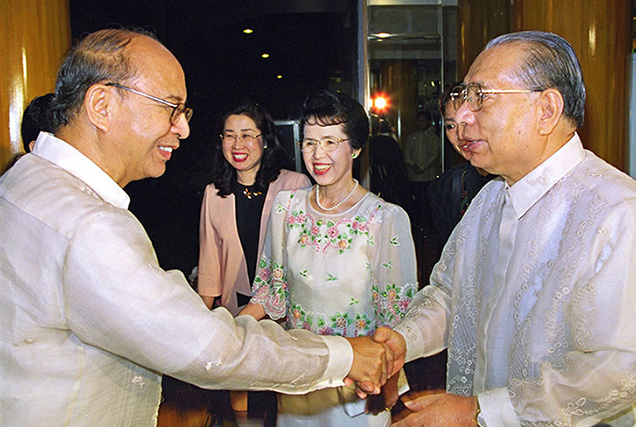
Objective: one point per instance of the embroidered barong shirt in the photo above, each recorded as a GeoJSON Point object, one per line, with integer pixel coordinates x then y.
{"type": "Point", "coordinates": [89, 321]}
{"type": "Point", "coordinates": [535, 296]}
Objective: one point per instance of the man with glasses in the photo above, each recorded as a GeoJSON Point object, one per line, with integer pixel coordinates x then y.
{"type": "Point", "coordinates": [89, 321]}
{"type": "Point", "coordinates": [535, 293]}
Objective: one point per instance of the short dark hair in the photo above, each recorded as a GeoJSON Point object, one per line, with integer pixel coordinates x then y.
{"type": "Point", "coordinates": [550, 63]}
{"type": "Point", "coordinates": [327, 108]}
{"type": "Point", "coordinates": [274, 157]}
{"type": "Point", "coordinates": [99, 56]}
{"type": "Point", "coordinates": [36, 118]}
{"type": "Point", "coordinates": [385, 126]}
{"type": "Point", "coordinates": [445, 98]}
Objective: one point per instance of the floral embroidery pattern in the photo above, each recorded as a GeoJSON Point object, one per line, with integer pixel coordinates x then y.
{"type": "Point", "coordinates": [270, 287]}
{"type": "Point", "coordinates": [390, 305]}
{"type": "Point", "coordinates": [358, 313]}
{"type": "Point", "coordinates": [324, 234]}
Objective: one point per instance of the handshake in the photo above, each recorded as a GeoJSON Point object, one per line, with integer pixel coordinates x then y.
{"type": "Point", "coordinates": [375, 360]}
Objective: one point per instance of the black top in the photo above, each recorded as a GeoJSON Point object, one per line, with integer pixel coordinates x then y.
{"type": "Point", "coordinates": [450, 194]}
{"type": "Point", "coordinates": [249, 207]}
{"type": "Point", "coordinates": [389, 177]}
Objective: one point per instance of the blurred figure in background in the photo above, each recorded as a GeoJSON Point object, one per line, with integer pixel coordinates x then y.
{"type": "Point", "coordinates": [450, 194]}
{"type": "Point", "coordinates": [36, 117]}
{"type": "Point", "coordinates": [389, 177]}
{"type": "Point", "coordinates": [422, 153]}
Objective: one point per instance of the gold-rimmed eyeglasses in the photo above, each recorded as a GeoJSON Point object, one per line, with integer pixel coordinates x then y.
{"type": "Point", "coordinates": [177, 109]}
{"type": "Point", "coordinates": [246, 138]}
{"type": "Point", "coordinates": [308, 145]}
{"type": "Point", "coordinates": [473, 94]}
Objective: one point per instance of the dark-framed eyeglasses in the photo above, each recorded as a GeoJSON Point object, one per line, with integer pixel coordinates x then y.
{"type": "Point", "coordinates": [328, 144]}
{"type": "Point", "coordinates": [177, 109]}
{"type": "Point", "coordinates": [473, 94]}
{"type": "Point", "coordinates": [246, 138]}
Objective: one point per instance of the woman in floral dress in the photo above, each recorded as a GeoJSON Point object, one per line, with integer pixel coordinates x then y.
{"type": "Point", "coordinates": [337, 259]}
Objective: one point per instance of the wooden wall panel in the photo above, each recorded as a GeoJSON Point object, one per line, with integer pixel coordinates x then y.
{"type": "Point", "coordinates": [477, 23]}
{"type": "Point", "coordinates": [601, 34]}
{"type": "Point", "coordinates": [34, 36]}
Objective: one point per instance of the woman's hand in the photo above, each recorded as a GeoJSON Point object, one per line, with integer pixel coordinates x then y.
{"type": "Point", "coordinates": [255, 310]}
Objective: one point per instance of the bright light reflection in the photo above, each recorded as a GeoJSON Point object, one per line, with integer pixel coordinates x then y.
{"type": "Point", "coordinates": [16, 106]}
{"type": "Point", "coordinates": [591, 35]}
{"type": "Point", "coordinates": [380, 103]}
{"type": "Point", "coordinates": [248, 31]}
{"type": "Point", "coordinates": [265, 55]}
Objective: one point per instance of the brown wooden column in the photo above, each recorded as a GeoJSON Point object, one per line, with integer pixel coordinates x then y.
{"type": "Point", "coordinates": [399, 79]}
{"type": "Point", "coordinates": [600, 32]}
{"type": "Point", "coordinates": [477, 23]}
{"type": "Point", "coordinates": [34, 36]}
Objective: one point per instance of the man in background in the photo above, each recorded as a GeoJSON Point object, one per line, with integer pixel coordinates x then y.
{"type": "Point", "coordinates": [422, 154]}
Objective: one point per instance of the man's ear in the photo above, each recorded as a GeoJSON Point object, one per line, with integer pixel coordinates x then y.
{"type": "Point", "coordinates": [97, 104]}
{"type": "Point", "coordinates": [551, 110]}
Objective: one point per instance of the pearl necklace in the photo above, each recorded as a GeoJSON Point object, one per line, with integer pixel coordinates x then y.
{"type": "Point", "coordinates": [337, 204]}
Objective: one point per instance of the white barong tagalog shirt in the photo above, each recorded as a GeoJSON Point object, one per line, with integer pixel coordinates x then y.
{"type": "Point", "coordinates": [89, 321]}
{"type": "Point", "coordinates": [535, 296]}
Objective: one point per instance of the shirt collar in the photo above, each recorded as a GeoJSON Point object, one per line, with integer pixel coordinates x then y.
{"type": "Point", "coordinates": [71, 160]}
{"type": "Point", "coordinates": [527, 191]}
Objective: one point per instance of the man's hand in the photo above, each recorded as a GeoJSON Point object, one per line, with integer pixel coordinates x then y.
{"type": "Point", "coordinates": [371, 362]}
{"type": "Point", "coordinates": [397, 343]}
{"type": "Point", "coordinates": [440, 410]}
{"type": "Point", "coordinates": [387, 399]}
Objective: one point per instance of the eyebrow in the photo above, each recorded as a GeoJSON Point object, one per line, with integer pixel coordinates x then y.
{"type": "Point", "coordinates": [330, 136]}
{"type": "Point", "coordinates": [175, 99]}
{"type": "Point", "coordinates": [241, 130]}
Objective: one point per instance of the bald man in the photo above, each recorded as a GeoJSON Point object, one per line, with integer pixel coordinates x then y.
{"type": "Point", "coordinates": [89, 321]}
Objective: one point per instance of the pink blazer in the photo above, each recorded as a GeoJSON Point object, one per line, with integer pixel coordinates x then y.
{"type": "Point", "coordinates": [222, 264]}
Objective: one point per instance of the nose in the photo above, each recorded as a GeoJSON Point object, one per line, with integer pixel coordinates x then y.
{"type": "Point", "coordinates": [464, 117]}
{"type": "Point", "coordinates": [237, 142]}
{"type": "Point", "coordinates": [319, 152]}
{"type": "Point", "coordinates": [182, 127]}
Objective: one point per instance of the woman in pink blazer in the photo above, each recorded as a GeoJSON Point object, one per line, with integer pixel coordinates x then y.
{"type": "Point", "coordinates": [247, 174]}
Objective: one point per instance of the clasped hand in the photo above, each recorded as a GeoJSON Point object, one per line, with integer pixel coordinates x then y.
{"type": "Point", "coordinates": [375, 360]}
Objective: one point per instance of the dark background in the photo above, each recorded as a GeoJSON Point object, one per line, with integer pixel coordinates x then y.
{"type": "Point", "coordinates": [311, 43]}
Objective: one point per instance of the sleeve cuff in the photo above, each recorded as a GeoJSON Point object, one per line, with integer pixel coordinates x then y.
{"type": "Point", "coordinates": [496, 409]}
{"type": "Point", "coordinates": [340, 361]}
{"type": "Point", "coordinates": [414, 342]}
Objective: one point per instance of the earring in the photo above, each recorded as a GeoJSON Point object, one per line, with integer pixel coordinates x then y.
{"type": "Point", "coordinates": [354, 155]}
{"type": "Point", "coordinates": [264, 146]}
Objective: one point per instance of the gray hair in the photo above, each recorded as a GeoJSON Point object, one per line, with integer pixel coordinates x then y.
{"type": "Point", "coordinates": [550, 63]}
{"type": "Point", "coordinates": [98, 57]}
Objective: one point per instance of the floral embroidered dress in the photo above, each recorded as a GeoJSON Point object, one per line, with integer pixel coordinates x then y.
{"type": "Point", "coordinates": [335, 274]}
